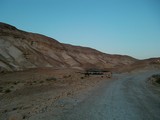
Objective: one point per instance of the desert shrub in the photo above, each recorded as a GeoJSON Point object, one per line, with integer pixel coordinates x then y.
{"type": "Point", "coordinates": [5, 111]}
{"type": "Point", "coordinates": [16, 82]}
{"type": "Point", "coordinates": [7, 91]}
{"type": "Point", "coordinates": [65, 76]}
{"type": "Point", "coordinates": [51, 79]}
{"type": "Point", "coordinates": [24, 116]}
{"type": "Point", "coordinates": [1, 88]}
{"type": "Point", "coordinates": [82, 77]}
{"type": "Point", "coordinates": [41, 82]}
{"type": "Point", "coordinates": [69, 93]}
{"type": "Point", "coordinates": [32, 42]}
{"type": "Point", "coordinates": [14, 108]}
{"type": "Point", "coordinates": [157, 78]}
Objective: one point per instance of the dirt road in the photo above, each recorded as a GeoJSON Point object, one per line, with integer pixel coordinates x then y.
{"type": "Point", "coordinates": [129, 97]}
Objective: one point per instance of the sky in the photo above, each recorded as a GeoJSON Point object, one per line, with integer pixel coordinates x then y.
{"type": "Point", "coordinates": [127, 27]}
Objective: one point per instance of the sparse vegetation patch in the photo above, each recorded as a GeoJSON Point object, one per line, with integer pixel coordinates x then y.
{"type": "Point", "coordinates": [156, 78]}
{"type": "Point", "coordinates": [51, 79]}
{"type": "Point", "coordinates": [7, 91]}
{"type": "Point", "coordinates": [82, 77]}
{"type": "Point", "coordinates": [1, 89]}
{"type": "Point", "coordinates": [41, 82]}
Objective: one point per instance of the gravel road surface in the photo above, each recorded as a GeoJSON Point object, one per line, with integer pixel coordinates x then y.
{"type": "Point", "coordinates": [129, 97]}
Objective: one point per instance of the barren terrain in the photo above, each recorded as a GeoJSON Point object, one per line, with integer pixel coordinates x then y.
{"type": "Point", "coordinates": [37, 91]}
{"type": "Point", "coordinates": [49, 94]}
{"type": "Point", "coordinates": [43, 79]}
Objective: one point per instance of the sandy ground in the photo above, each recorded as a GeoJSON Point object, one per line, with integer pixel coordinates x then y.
{"type": "Point", "coordinates": [30, 94]}
{"type": "Point", "coordinates": [46, 94]}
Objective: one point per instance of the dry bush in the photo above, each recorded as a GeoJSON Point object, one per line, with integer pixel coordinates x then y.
{"type": "Point", "coordinates": [51, 79]}
{"type": "Point", "coordinates": [7, 91]}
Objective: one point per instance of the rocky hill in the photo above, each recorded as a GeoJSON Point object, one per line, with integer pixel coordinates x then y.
{"type": "Point", "coordinates": [20, 50]}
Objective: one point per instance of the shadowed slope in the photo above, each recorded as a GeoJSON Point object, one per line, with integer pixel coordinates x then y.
{"type": "Point", "coordinates": [20, 50]}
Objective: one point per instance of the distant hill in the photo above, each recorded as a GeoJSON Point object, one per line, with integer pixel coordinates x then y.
{"type": "Point", "coordinates": [20, 50]}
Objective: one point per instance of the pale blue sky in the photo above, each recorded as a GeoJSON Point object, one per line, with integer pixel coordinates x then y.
{"type": "Point", "coordinates": [128, 27]}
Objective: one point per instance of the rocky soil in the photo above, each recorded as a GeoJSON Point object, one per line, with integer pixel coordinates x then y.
{"type": "Point", "coordinates": [36, 91]}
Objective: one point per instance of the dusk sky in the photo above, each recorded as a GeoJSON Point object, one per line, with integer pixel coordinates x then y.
{"type": "Point", "coordinates": [127, 27]}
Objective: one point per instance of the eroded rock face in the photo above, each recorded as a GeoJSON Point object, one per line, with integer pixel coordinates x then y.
{"type": "Point", "coordinates": [20, 50]}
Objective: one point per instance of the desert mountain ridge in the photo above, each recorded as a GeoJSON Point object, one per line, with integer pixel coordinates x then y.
{"type": "Point", "coordinates": [20, 50]}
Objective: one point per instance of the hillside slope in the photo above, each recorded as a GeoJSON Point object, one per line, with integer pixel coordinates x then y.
{"type": "Point", "coordinates": [20, 50]}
